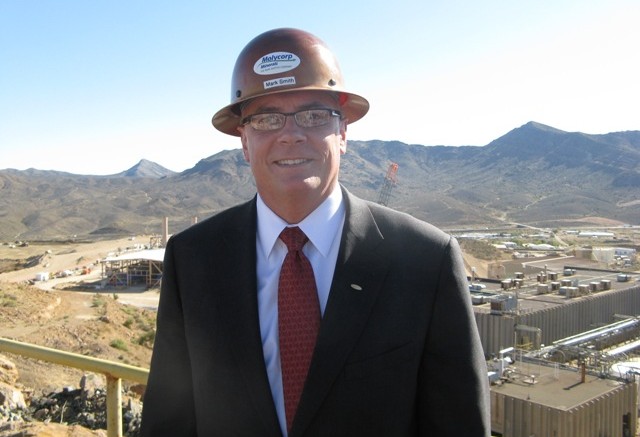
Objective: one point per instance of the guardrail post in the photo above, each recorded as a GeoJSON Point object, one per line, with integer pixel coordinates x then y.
{"type": "Point", "coordinates": [114, 406]}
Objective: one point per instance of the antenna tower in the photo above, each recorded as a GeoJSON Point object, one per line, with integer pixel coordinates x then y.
{"type": "Point", "coordinates": [388, 184]}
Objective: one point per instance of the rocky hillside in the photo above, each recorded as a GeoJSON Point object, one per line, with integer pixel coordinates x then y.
{"type": "Point", "coordinates": [41, 399]}
{"type": "Point", "coordinates": [534, 174]}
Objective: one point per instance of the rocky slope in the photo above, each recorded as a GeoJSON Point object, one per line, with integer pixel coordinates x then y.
{"type": "Point", "coordinates": [534, 174]}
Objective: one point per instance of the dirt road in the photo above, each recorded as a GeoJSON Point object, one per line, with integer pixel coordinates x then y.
{"type": "Point", "coordinates": [60, 256]}
{"type": "Point", "coordinates": [76, 258]}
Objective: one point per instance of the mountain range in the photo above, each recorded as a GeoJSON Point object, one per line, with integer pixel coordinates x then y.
{"type": "Point", "coordinates": [535, 175]}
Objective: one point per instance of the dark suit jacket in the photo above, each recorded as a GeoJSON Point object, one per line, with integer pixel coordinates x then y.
{"type": "Point", "coordinates": [397, 355]}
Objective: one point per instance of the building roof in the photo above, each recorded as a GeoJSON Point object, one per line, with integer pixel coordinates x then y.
{"type": "Point", "coordinates": [149, 254]}
{"type": "Point", "coordinates": [531, 300]}
{"type": "Point", "coordinates": [554, 387]}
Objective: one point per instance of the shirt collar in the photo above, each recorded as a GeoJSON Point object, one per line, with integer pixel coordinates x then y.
{"type": "Point", "coordinates": [320, 226]}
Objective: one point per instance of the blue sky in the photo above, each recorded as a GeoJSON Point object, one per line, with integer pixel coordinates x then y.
{"type": "Point", "coordinates": [93, 86]}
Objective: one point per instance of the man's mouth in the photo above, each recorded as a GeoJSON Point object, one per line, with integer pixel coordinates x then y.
{"type": "Point", "coordinates": [291, 161]}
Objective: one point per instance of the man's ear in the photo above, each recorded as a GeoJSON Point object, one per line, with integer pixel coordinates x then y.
{"type": "Point", "coordinates": [343, 137]}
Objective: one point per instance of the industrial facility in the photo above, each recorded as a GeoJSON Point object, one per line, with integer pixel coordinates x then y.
{"type": "Point", "coordinates": [562, 338]}
{"type": "Point", "coordinates": [139, 267]}
{"type": "Point", "coordinates": [133, 269]}
{"type": "Point", "coordinates": [537, 399]}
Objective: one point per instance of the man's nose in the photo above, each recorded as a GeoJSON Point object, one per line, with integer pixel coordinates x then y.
{"type": "Point", "coordinates": [291, 131]}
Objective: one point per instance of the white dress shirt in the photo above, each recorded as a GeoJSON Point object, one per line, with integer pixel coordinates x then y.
{"type": "Point", "coordinates": [323, 227]}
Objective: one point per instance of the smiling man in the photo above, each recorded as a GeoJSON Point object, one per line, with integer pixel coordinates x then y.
{"type": "Point", "coordinates": [308, 311]}
{"type": "Point", "coordinates": [294, 145]}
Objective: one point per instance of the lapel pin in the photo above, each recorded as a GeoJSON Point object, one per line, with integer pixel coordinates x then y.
{"type": "Point", "coordinates": [356, 287]}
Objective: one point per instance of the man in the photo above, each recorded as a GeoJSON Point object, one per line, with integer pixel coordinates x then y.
{"type": "Point", "coordinates": [380, 340]}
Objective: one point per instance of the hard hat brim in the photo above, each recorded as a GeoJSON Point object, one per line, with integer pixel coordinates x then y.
{"type": "Point", "coordinates": [227, 119]}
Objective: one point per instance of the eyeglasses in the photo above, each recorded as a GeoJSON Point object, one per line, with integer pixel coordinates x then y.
{"type": "Point", "coordinates": [306, 118]}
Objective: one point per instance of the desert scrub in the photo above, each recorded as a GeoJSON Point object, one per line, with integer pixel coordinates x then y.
{"type": "Point", "coordinates": [140, 319]}
{"type": "Point", "coordinates": [480, 249]}
{"type": "Point", "coordinates": [8, 300]}
{"type": "Point", "coordinates": [98, 301]}
{"type": "Point", "coordinates": [147, 339]}
{"type": "Point", "coordinates": [119, 344]}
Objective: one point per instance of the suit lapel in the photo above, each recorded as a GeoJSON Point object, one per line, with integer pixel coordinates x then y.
{"type": "Point", "coordinates": [358, 278]}
{"type": "Point", "coordinates": [238, 305]}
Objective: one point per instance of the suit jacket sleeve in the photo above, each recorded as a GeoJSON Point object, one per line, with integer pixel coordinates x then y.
{"type": "Point", "coordinates": [453, 394]}
{"type": "Point", "coordinates": [168, 401]}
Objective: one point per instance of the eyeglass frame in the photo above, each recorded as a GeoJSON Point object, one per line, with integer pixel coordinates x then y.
{"type": "Point", "coordinates": [249, 118]}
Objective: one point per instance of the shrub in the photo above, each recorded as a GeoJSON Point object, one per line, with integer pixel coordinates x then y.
{"type": "Point", "coordinates": [119, 344]}
{"type": "Point", "coordinates": [147, 338]}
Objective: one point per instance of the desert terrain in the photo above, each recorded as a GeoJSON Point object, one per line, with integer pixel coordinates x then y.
{"type": "Point", "coordinates": [67, 313]}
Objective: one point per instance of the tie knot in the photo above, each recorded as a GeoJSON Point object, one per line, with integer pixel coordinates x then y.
{"type": "Point", "coordinates": [294, 238]}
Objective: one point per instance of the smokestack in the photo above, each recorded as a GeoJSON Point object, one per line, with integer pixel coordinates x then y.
{"type": "Point", "coordinates": [165, 231]}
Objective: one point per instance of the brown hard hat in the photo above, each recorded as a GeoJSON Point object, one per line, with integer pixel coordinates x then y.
{"type": "Point", "coordinates": [280, 61]}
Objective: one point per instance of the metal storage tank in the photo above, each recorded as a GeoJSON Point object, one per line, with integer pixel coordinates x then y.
{"type": "Point", "coordinates": [544, 288]}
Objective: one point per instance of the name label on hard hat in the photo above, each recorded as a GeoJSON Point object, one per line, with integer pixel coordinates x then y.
{"type": "Point", "coordinates": [281, 81]}
{"type": "Point", "coordinates": [276, 62]}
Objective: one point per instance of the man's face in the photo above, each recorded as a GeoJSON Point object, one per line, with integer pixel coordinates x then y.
{"type": "Point", "coordinates": [294, 163]}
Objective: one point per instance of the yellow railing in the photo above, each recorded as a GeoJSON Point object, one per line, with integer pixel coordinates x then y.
{"type": "Point", "coordinates": [115, 373]}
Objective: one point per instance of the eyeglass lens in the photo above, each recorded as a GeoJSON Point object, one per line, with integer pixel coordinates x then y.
{"type": "Point", "coordinates": [305, 118]}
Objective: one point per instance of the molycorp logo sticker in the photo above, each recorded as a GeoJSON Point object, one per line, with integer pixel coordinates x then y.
{"type": "Point", "coordinates": [276, 62]}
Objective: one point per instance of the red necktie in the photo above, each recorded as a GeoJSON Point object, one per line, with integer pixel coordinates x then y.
{"type": "Point", "coordinates": [298, 318]}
